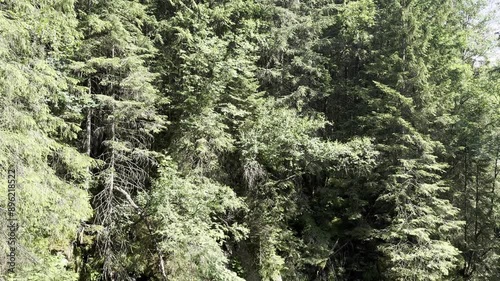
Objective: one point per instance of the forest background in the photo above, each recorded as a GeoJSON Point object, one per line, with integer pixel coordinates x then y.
{"type": "Point", "coordinates": [250, 139]}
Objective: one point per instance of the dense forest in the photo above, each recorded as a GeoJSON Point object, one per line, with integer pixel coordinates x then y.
{"type": "Point", "coordinates": [259, 140]}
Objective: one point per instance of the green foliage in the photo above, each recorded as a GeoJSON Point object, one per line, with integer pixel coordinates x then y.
{"type": "Point", "coordinates": [36, 133]}
{"type": "Point", "coordinates": [306, 140]}
{"type": "Point", "coordinates": [188, 212]}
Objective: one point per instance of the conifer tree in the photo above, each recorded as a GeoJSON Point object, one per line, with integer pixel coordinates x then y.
{"type": "Point", "coordinates": [121, 119]}
{"type": "Point", "coordinates": [392, 96]}
{"type": "Point", "coordinates": [38, 124]}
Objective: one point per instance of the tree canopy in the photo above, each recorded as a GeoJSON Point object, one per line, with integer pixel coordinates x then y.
{"type": "Point", "coordinates": [259, 140]}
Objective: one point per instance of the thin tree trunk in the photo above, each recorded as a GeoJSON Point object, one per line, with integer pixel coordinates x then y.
{"type": "Point", "coordinates": [474, 256]}
{"type": "Point", "coordinates": [466, 174]}
{"type": "Point", "coordinates": [88, 138]}
{"type": "Point", "coordinates": [113, 138]}
{"type": "Point", "coordinates": [493, 187]}
{"type": "Point", "coordinates": [476, 213]}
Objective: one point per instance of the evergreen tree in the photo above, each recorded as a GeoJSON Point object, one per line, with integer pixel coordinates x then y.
{"type": "Point", "coordinates": [38, 123]}
{"type": "Point", "coordinates": [473, 155]}
{"type": "Point", "coordinates": [392, 94]}
{"type": "Point", "coordinates": [121, 107]}
{"type": "Point", "coordinates": [417, 221]}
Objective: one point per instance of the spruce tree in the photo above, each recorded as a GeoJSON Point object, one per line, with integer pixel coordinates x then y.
{"type": "Point", "coordinates": [38, 125]}
{"type": "Point", "coordinates": [121, 117]}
